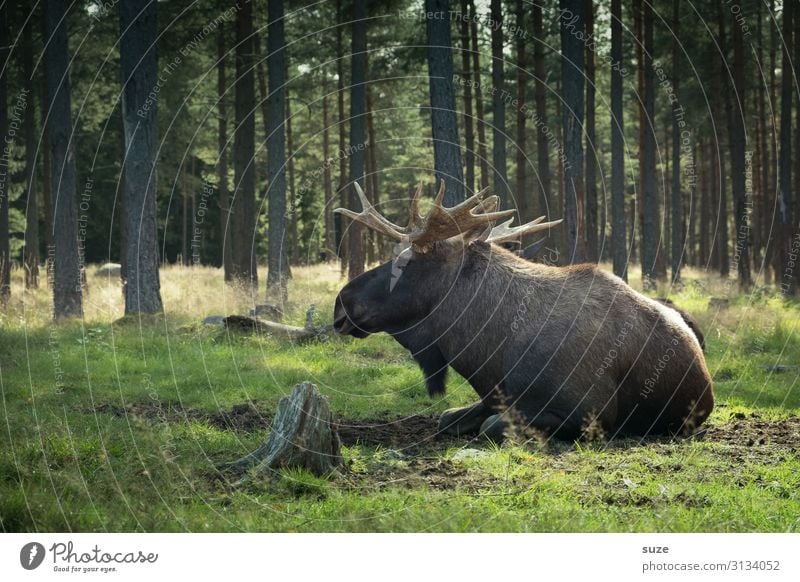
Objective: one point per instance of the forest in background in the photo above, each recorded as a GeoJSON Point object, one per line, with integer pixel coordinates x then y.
{"type": "Point", "coordinates": [225, 134]}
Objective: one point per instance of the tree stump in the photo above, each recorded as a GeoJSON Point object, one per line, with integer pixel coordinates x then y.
{"type": "Point", "coordinates": [302, 436]}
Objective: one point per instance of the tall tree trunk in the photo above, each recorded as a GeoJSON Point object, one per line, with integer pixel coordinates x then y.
{"type": "Point", "coordinates": [498, 106]}
{"type": "Point", "coordinates": [542, 127]}
{"type": "Point", "coordinates": [358, 106]}
{"type": "Point", "coordinates": [278, 261]}
{"type": "Point", "coordinates": [185, 218]}
{"type": "Point", "coordinates": [123, 214]}
{"type": "Point", "coordinates": [466, 73]}
{"type": "Point", "coordinates": [572, 26]}
{"type": "Point", "coordinates": [293, 197]}
{"type": "Point", "coordinates": [650, 209]}
{"type": "Point", "coordinates": [483, 157]}
{"type": "Point", "coordinates": [721, 190]}
{"type": "Point", "coordinates": [342, 244]}
{"type": "Point", "coordinates": [376, 241]}
{"type": "Point", "coordinates": [222, 164]}
{"type": "Point", "coordinates": [774, 242]}
{"type": "Point", "coordinates": [738, 145]}
{"type": "Point", "coordinates": [139, 65]}
{"type": "Point", "coordinates": [638, 44]}
{"type": "Point", "coordinates": [591, 145]}
{"type": "Point", "coordinates": [619, 239]}
{"type": "Point", "coordinates": [327, 182]}
{"type": "Point", "coordinates": [67, 292]}
{"type": "Point", "coordinates": [523, 198]}
{"type": "Point", "coordinates": [47, 198]}
{"type": "Point", "coordinates": [796, 152]}
{"type": "Point", "coordinates": [5, 235]}
{"type": "Point", "coordinates": [705, 205]}
{"type": "Point", "coordinates": [243, 202]}
{"type": "Point", "coordinates": [446, 150]}
{"type": "Point", "coordinates": [761, 224]}
{"type": "Point", "coordinates": [690, 210]}
{"type": "Point", "coordinates": [787, 277]}
{"type": "Point", "coordinates": [31, 256]}
{"type": "Point", "coordinates": [676, 199]}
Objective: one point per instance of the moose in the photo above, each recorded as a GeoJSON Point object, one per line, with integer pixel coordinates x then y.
{"type": "Point", "coordinates": [560, 350]}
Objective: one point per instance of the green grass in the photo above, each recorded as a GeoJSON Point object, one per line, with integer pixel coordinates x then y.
{"type": "Point", "coordinates": [72, 458]}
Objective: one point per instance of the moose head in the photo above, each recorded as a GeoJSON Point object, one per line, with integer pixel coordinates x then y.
{"type": "Point", "coordinates": [428, 257]}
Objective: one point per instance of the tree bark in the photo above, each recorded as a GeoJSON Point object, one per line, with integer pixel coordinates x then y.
{"type": "Point", "coordinates": [498, 106]}
{"type": "Point", "coordinates": [788, 277]}
{"type": "Point", "coordinates": [278, 262]}
{"type": "Point", "coordinates": [376, 241]}
{"type": "Point", "coordinates": [5, 235]}
{"type": "Point", "coordinates": [762, 224]}
{"type": "Point", "coordinates": [676, 198]}
{"type": "Point", "coordinates": [572, 25]}
{"type": "Point", "coordinates": [523, 198]}
{"type": "Point", "coordinates": [446, 149]}
{"type": "Point", "coordinates": [705, 188]}
{"type": "Point", "coordinates": [649, 193]}
{"type": "Point", "coordinates": [31, 255]}
{"type": "Point", "coordinates": [222, 163]}
{"type": "Point", "coordinates": [738, 145]}
{"type": "Point", "coordinates": [619, 240]}
{"type": "Point", "coordinates": [483, 156]}
{"type": "Point", "coordinates": [302, 436]}
{"type": "Point", "coordinates": [469, 122]}
{"type": "Point", "coordinates": [592, 246]}
{"type": "Point", "coordinates": [358, 107]}
{"type": "Point", "coordinates": [330, 230]}
{"type": "Point", "coordinates": [47, 198]}
{"type": "Point", "coordinates": [342, 190]}
{"type": "Point", "coordinates": [243, 201]}
{"type": "Point", "coordinates": [542, 127]}
{"type": "Point", "coordinates": [293, 197]}
{"type": "Point", "coordinates": [67, 292]}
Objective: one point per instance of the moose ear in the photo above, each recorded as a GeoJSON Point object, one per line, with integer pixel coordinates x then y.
{"type": "Point", "coordinates": [479, 245]}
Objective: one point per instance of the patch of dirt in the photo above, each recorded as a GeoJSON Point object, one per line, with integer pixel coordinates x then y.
{"type": "Point", "coordinates": [752, 431]}
{"type": "Point", "coordinates": [416, 434]}
{"type": "Point", "coordinates": [409, 435]}
{"type": "Point", "coordinates": [241, 417]}
{"type": "Point", "coordinates": [436, 474]}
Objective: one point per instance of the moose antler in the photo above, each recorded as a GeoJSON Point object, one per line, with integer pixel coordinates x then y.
{"type": "Point", "coordinates": [439, 224]}
{"type": "Point", "coordinates": [505, 232]}
{"type": "Point", "coordinates": [475, 214]}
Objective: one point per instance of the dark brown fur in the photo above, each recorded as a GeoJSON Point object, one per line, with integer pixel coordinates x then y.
{"type": "Point", "coordinates": [562, 346]}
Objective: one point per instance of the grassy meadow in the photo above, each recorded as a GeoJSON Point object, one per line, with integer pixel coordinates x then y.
{"type": "Point", "coordinates": [111, 424]}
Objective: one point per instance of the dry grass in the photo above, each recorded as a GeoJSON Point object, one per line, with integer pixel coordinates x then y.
{"type": "Point", "coordinates": [188, 293]}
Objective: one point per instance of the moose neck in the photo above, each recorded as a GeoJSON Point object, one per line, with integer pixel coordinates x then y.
{"type": "Point", "coordinates": [475, 319]}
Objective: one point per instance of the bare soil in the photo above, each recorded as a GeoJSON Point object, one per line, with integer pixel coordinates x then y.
{"type": "Point", "coordinates": [417, 433]}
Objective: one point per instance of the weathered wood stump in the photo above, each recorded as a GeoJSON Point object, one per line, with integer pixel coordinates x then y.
{"type": "Point", "coordinates": [302, 436]}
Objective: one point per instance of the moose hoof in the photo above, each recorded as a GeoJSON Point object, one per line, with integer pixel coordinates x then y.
{"type": "Point", "coordinates": [494, 428]}
{"type": "Point", "coordinates": [461, 421]}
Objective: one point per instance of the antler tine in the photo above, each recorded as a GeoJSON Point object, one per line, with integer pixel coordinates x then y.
{"type": "Point", "coordinates": [439, 195]}
{"type": "Point", "coordinates": [505, 232]}
{"type": "Point", "coordinates": [413, 210]}
{"type": "Point", "coordinates": [371, 218]}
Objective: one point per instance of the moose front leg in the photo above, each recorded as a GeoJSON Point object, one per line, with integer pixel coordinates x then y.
{"type": "Point", "coordinates": [466, 420]}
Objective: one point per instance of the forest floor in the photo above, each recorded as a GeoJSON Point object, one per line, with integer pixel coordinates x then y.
{"type": "Point", "coordinates": [113, 424]}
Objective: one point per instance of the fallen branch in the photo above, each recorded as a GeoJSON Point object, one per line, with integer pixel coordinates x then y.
{"type": "Point", "coordinates": [280, 330]}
